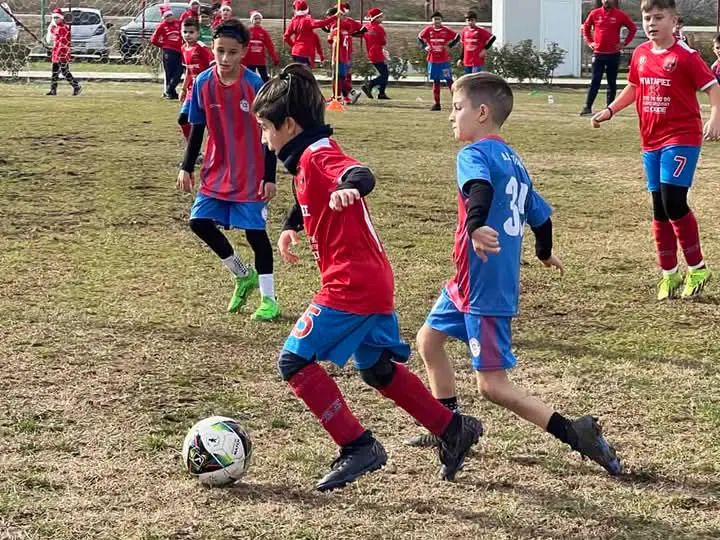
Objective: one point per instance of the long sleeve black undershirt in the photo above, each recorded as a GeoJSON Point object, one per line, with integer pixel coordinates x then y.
{"type": "Point", "coordinates": [543, 240]}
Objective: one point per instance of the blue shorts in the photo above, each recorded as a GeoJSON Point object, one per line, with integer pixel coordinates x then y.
{"type": "Point", "coordinates": [185, 108]}
{"type": "Point", "coordinates": [323, 333]}
{"type": "Point", "coordinates": [671, 165]}
{"type": "Point", "coordinates": [439, 72]}
{"type": "Point", "coordinates": [489, 338]}
{"type": "Point", "coordinates": [228, 214]}
{"type": "Point", "coordinates": [473, 69]}
{"type": "Point", "coordinates": [344, 69]}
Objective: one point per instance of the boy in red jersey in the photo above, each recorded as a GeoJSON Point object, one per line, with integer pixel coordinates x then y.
{"type": "Point", "coordinates": [168, 37]}
{"type": "Point", "coordinates": [665, 75]}
{"type": "Point", "coordinates": [260, 45]}
{"type": "Point", "coordinates": [238, 174]}
{"type": "Point", "coordinates": [197, 57]}
{"type": "Point", "coordinates": [716, 64]}
{"type": "Point", "coordinates": [437, 40]}
{"type": "Point", "coordinates": [351, 315]}
{"type": "Point", "coordinates": [475, 42]}
{"type": "Point", "coordinates": [349, 28]}
{"type": "Point", "coordinates": [375, 41]}
{"type": "Point", "coordinates": [61, 56]}
{"type": "Point", "coordinates": [300, 34]}
{"type": "Point", "coordinates": [602, 34]}
{"type": "Point", "coordinates": [193, 12]}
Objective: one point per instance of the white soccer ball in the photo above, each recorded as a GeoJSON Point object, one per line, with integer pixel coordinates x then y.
{"type": "Point", "coordinates": [217, 451]}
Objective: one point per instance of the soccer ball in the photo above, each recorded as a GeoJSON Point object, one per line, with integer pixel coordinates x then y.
{"type": "Point", "coordinates": [217, 451]}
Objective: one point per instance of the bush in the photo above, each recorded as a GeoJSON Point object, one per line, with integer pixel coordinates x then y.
{"type": "Point", "coordinates": [13, 57]}
{"type": "Point", "coordinates": [398, 67]}
{"type": "Point", "coordinates": [523, 61]}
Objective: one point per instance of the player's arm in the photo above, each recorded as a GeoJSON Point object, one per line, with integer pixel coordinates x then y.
{"type": "Point", "coordinates": [192, 150]}
{"type": "Point", "coordinates": [289, 33]}
{"type": "Point", "coordinates": [270, 46]}
{"type": "Point", "coordinates": [632, 29]}
{"type": "Point", "coordinates": [480, 196]}
{"type": "Point", "coordinates": [422, 40]}
{"type": "Point", "coordinates": [712, 127]}
{"type": "Point", "coordinates": [588, 31]}
{"type": "Point", "coordinates": [155, 39]}
{"type": "Point", "coordinates": [623, 101]}
{"type": "Point", "coordinates": [538, 214]}
{"type": "Point", "coordinates": [327, 21]}
{"type": "Point", "coordinates": [454, 41]}
{"type": "Point", "coordinates": [355, 183]}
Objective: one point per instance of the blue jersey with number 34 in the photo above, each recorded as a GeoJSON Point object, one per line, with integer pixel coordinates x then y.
{"type": "Point", "coordinates": [492, 288]}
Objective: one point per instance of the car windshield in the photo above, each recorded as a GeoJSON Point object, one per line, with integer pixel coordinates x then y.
{"type": "Point", "coordinates": [85, 18]}
{"type": "Point", "coordinates": [152, 14]}
{"type": "Point", "coordinates": [4, 17]}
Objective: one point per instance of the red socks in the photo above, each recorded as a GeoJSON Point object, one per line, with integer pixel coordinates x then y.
{"type": "Point", "coordinates": [185, 128]}
{"type": "Point", "coordinates": [321, 395]}
{"type": "Point", "coordinates": [409, 393]}
{"type": "Point", "coordinates": [666, 244]}
{"type": "Point", "coordinates": [686, 231]}
{"type": "Point", "coordinates": [436, 92]}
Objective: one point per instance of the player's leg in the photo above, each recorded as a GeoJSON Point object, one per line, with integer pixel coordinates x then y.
{"type": "Point", "coordinates": [491, 349]}
{"type": "Point", "coordinates": [333, 335]}
{"type": "Point", "coordinates": [177, 72]}
{"type": "Point", "coordinates": [381, 360]}
{"type": "Point", "coordinates": [678, 166]}
{"type": "Point", "coordinates": [367, 88]}
{"type": "Point", "coordinates": [665, 241]}
{"type": "Point", "coordinates": [612, 68]}
{"type": "Point", "coordinates": [598, 66]}
{"type": "Point", "coordinates": [262, 248]}
{"type": "Point", "coordinates": [65, 71]}
{"type": "Point", "coordinates": [205, 213]}
{"type": "Point", "coordinates": [167, 73]}
{"type": "Point", "coordinates": [183, 119]}
{"type": "Point", "coordinates": [383, 80]}
{"type": "Point", "coordinates": [54, 76]}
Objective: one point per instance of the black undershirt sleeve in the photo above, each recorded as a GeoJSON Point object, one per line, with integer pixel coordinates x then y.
{"type": "Point", "coordinates": [480, 195]}
{"type": "Point", "coordinates": [543, 240]}
{"type": "Point", "coordinates": [360, 178]}
{"type": "Point", "coordinates": [270, 165]}
{"type": "Point", "coordinates": [294, 218]}
{"type": "Point", "coordinates": [490, 42]}
{"type": "Point", "coordinates": [192, 150]}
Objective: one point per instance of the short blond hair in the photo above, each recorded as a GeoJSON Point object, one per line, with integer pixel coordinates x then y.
{"type": "Point", "coordinates": [487, 89]}
{"type": "Point", "coordinates": [647, 5]}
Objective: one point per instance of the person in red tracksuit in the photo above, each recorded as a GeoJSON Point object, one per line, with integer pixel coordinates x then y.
{"type": "Point", "coordinates": [375, 41]}
{"type": "Point", "coordinates": [260, 44]}
{"type": "Point", "coordinates": [168, 37]}
{"type": "Point", "coordinates": [61, 56]}
{"type": "Point", "coordinates": [300, 33]}
{"type": "Point", "coordinates": [319, 53]}
{"type": "Point", "coordinates": [602, 34]}
{"type": "Point", "coordinates": [192, 12]}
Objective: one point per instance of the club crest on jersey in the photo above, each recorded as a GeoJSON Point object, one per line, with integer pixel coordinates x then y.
{"type": "Point", "coordinates": [474, 347]}
{"type": "Point", "coordinates": [300, 186]}
{"type": "Point", "coordinates": [670, 64]}
{"type": "Point", "coordinates": [244, 105]}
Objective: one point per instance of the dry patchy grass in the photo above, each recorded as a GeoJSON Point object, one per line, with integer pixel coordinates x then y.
{"type": "Point", "coordinates": [115, 340]}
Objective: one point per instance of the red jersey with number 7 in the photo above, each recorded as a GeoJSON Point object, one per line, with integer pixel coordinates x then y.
{"type": "Point", "coordinates": [667, 82]}
{"type": "Point", "coordinates": [355, 272]}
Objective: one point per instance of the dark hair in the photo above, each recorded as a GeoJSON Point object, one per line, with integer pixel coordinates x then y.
{"type": "Point", "coordinates": [471, 15]}
{"type": "Point", "coordinates": [615, 3]}
{"type": "Point", "coordinates": [647, 5]}
{"type": "Point", "coordinates": [716, 39]}
{"type": "Point", "coordinates": [191, 22]}
{"type": "Point", "coordinates": [292, 94]}
{"type": "Point", "coordinates": [488, 89]}
{"type": "Point", "coordinates": [437, 14]}
{"type": "Point", "coordinates": [232, 29]}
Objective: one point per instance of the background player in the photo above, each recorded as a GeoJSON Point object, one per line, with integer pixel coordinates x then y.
{"type": "Point", "coordinates": [238, 176]}
{"type": "Point", "coordinates": [61, 54]}
{"type": "Point", "coordinates": [260, 46]}
{"type": "Point", "coordinates": [476, 41]}
{"type": "Point", "coordinates": [197, 57]}
{"type": "Point", "coordinates": [349, 28]}
{"type": "Point", "coordinates": [716, 65]}
{"type": "Point", "coordinates": [495, 200]}
{"type": "Point", "coordinates": [437, 40]}
{"type": "Point", "coordinates": [375, 41]}
{"type": "Point", "coordinates": [665, 76]}
{"type": "Point", "coordinates": [168, 37]}
{"type": "Point", "coordinates": [351, 315]}
{"type": "Point", "coordinates": [300, 34]}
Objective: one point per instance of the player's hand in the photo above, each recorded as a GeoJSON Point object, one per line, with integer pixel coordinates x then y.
{"type": "Point", "coordinates": [712, 129]}
{"type": "Point", "coordinates": [343, 198]}
{"type": "Point", "coordinates": [183, 95]}
{"type": "Point", "coordinates": [288, 238]}
{"type": "Point", "coordinates": [268, 190]}
{"type": "Point", "coordinates": [592, 45]}
{"type": "Point", "coordinates": [485, 240]}
{"type": "Point", "coordinates": [602, 116]}
{"type": "Point", "coordinates": [459, 63]}
{"type": "Point", "coordinates": [386, 54]}
{"type": "Point", "coordinates": [185, 181]}
{"type": "Point", "coordinates": [554, 262]}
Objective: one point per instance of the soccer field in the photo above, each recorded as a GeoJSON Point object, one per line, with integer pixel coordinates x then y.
{"type": "Point", "coordinates": [115, 338]}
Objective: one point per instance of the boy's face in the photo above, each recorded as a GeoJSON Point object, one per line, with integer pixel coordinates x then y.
{"type": "Point", "coordinates": [203, 20]}
{"type": "Point", "coordinates": [659, 24]}
{"type": "Point", "coordinates": [225, 14]}
{"type": "Point", "coordinates": [472, 23]}
{"type": "Point", "coordinates": [467, 121]}
{"type": "Point", "coordinates": [257, 21]}
{"type": "Point", "coordinates": [275, 137]}
{"type": "Point", "coordinates": [716, 48]}
{"type": "Point", "coordinates": [437, 22]}
{"type": "Point", "coordinates": [607, 4]}
{"type": "Point", "coordinates": [169, 18]}
{"type": "Point", "coordinates": [228, 55]}
{"type": "Point", "coordinates": [190, 34]}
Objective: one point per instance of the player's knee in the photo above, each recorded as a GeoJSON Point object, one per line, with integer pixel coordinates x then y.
{"type": "Point", "coordinates": [493, 388]}
{"type": "Point", "coordinates": [289, 364]}
{"type": "Point", "coordinates": [428, 341]}
{"type": "Point", "coordinates": [381, 373]}
{"type": "Point", "coordinates": [674, 200]}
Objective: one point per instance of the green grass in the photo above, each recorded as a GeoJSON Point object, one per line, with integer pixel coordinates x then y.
{"type": "Point", "coordinates": [115, 338]}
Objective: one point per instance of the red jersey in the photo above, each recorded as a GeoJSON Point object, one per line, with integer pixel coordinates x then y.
{"type": "Point", "coordinates": [168, 35]}
{"type": "Point", "coordinates": [438, 40]}
{"type": "Point", "coordinates": [716, 69]}
{"type": "Point", "coordinates": [61, 43]}
{"type": "Point", "coordinates": [188, 13]}
{"type": "Point", "coordinates": [375, 41]}
{"type": "Point", "coordinates": [233, 165]}
{"type": "Point", "coordinates": [347, 28]}
{"type": "Point", "coordinates": [666, 84]}
{"type": "Point", "coordinates": [355, 273]}
{"type": "Point", "coordinates": [196, 59]}
{"type": "Point", "coordinates": [260, 44]}
{"type": "Point", "coordinates": [474, 41]}
{"type": "Point", "coordinates": [300, 34]}
{"type": "Point", "coordinates": [602, 27]}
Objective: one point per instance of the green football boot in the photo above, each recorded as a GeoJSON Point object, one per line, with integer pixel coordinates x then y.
{"type": "Point", "coordinates": [244, 285]}
{"type": "Point", "coordinates": [695, 282]}
{"type": "Point", "coordinates": [269, 309]}
{"type": "Point", "coordinates": [669, 286]}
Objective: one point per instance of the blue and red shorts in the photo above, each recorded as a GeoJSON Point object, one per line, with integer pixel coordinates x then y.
{"type": "Point", "coordinates": [229, 214]}
{"type": "Point", "coordinates": [673, 165]}
{"type": "Point", "coordinates": [488, 338]}
{"type": "Point", "coordinates": [439, 71]}
{"type": "Point", "coordinates": [473, 69]}
{"type": "Point", "coordinates": [322, 333]}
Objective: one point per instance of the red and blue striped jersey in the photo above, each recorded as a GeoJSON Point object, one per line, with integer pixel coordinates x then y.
{"type": "Point", "coordinates": [233, 163]}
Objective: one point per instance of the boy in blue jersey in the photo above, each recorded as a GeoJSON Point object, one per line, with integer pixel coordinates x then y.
{"type": "Point", "coordinates": [495, 201]}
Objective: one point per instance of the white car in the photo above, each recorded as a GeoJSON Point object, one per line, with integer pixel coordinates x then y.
{"type": "Point", "coordinates": [8, 28]}
{"type": "Point", "coordinates": [89, 32]}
